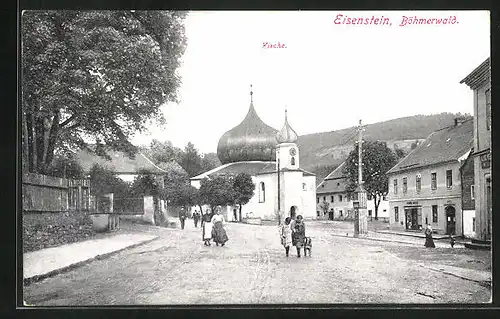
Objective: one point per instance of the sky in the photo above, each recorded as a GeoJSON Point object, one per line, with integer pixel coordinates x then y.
{"type": "Point", "coordinates": [328, 76]}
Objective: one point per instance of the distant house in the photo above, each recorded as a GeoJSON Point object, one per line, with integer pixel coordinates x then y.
{"type": "Point", "coordinates": [121, 164]}
{"type": "Point", "coordinates": [479, 81]}
{"type": "Point", "coordinates": [425, 186]}
{"type": "Point", "coordinates": [333, 191]}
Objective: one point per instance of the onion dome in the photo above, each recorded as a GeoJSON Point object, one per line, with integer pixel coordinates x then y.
{"type": "Point", "coordinates": [251, 140]}
{"type": "Point", "coordinates": [287, 134]}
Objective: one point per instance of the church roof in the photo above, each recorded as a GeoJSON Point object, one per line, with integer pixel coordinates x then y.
{"type": "Point", "coordinates": [442, 146]}
{"type": "Point", "coordinates": [250, 167]}
{"type": "Point", "coordinates": [287, 134]}
{"type": "Point", "coordinates": [251, 140]}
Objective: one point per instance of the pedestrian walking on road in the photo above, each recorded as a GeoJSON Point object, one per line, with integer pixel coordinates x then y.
{"type": "Point", "coordinates": [206, 232]}
{"type": "Point", "coordinates": [429, 242]}
{"type": "Point", "coordinates": [182, 217]}
{"type": "Point", "coordinates": [286, 235]}
{"type": "Point", "coordinates": [298, 233]}
{"type": "Point", "coordinates": [218, 232]}
{"type": "Point", "coordinates": [196, 218]}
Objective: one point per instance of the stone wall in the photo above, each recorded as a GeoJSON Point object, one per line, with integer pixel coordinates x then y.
{"type": "Point", "coordinates": [48, 229]}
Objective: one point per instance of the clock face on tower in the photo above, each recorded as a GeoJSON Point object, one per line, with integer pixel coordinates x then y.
{"type": "Point", "coordinates": [293, 152]}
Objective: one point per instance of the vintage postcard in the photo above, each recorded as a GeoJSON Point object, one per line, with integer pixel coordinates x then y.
{"type": "Point", "coordinates": [177, 158]}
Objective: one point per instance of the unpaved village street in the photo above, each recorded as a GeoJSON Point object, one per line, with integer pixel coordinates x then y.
{"type": "Point", "coordinates": [252, 269]}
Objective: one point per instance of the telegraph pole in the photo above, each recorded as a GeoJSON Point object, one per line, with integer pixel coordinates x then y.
{"type": "Point", "coordinates": [360, 220]}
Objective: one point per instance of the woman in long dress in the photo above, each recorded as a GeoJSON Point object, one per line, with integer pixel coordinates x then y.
{"type": "Point", "coordinates": [218, 232]}
{"type": "Point", "coordinates": [298, 233]}
{"type": "Point", "coordinates": [206, 230]}
{"type": "Point", "coordinates": [286, 235]}
{"type": "Point", "coordinates": [429, 242]}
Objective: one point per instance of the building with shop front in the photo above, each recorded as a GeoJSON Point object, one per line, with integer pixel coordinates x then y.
{"type": "Point", "coordinates": [333, 201]}
{"type": "Point", "coordinates": [425, 186]}
{"type": "Point", "coordinates": [257, 149]}
{"type": "Point", "coordinates": [479, 81]}
{"type": "Point", "coordinates": [468, 197]}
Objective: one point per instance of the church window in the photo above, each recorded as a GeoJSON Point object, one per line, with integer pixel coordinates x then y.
{"type": "Point", "coordinates": [262, 192]}
{"type": "Point", "coordinates": [292, 161]}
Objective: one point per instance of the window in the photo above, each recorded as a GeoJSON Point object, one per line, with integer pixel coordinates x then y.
{"type": "Point", "coordinates": [405, 185]}
{"type": "Point", "coordinates": [331, 198]}
{"type": "Point", "coordinates": [384, 197]}
{"type": "Point", "coordinates": [385, 210]}
{"type": "Point", "coordinates": [324, 198]}
{"type": "Point", "coordinates": [433, 180]}
{"type": "Point", "coordinates": [348, 197]}
{"type": "Point", "coordinates": [340, 198]}
{"type": "Point", "coordinates": [449, 179]}
{"type": "Point", "coordinates": [395, 186]}
{"type": "Point", "coordinates": [354, 196]}
{"type": "Point", "coordinates": [369, 197]}
{"type": "Point", "coordinates": [340, 211]}
{"type": "Point", "coordinates": [369, 212]}
{"type": "Point", "coordinates": [396, 214]}
{"type": "Point", "coordinates": [472, 192]}
{"type": "Point", "coordinates": [292, 161]}
{"type": "Point", "coordinates": [304, 186]}
{"type": "Point", "coordinates": [473, 224]}
{"type": "Point", "coordinates": [488, 109]}
{"type": "Point", "coordinates": [434, 213]}
{"type": "Point", "coordinates": [262, 192]}
{"type": "Point", "coordinates": [418, 183]}
{"type": "Point", "coordinates": [317, 200]}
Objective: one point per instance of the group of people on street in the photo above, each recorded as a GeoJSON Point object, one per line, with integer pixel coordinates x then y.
{"type": "Point", "coordinates": [212, 225]}
{"type": "Point", "coordinates": [293, 233]}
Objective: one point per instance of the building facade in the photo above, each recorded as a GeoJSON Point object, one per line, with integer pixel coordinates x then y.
{"type": "Point", "coordinates": [468, 197]}
{"type": "Point", "coordinates": [425, 186]}
{"type": "Point", "coordinates": [333, 201]}
{"type": "Point", "coordinates": [479, 81]}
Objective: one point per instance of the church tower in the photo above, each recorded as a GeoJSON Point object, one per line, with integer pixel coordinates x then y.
{"type": "Point", "coordinates": [290, 176]}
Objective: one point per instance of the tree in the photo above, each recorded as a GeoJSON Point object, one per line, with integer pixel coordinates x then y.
{"type": "Point", "coordinates": [324, 206]}
{"type": "Point", "coordinates": [191, 160]}
{"type": "Point", "coordinates": [65, 168]}
{"type": "Point", "coordinates": [95, 76]}
{"type": "Point", "coordinates": [399, 152]}
{"type": "Point", "coordinates": [243, 189]}
{"type": "Point", "coordinates": [163, 152]}
{"type": "Point", "coordinates": [145, 184]}
{"type": "Point", "coordinates": [103, 181]}
{"type": "Point", "coordinates": [377, 160]}
{"type": "Point", "coordinates": [210, 161]}
{"type": "Point", "coordinates": [216, 191]}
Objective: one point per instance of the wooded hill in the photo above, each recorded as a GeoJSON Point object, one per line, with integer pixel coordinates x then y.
{"type": "Point", "coordinates": [320, 153]}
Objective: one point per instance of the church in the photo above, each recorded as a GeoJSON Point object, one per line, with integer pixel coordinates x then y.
{"type": "Point", "coordinates": [255, 148]}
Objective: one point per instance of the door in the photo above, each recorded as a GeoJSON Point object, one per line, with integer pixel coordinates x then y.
{"type": "Point", "coordinates": [450, 220]}
{"type": "Point", "coordinates": [414, 218]}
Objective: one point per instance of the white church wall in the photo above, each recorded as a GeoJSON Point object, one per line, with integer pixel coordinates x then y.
{"type": "Point", "coordinates": [309, 197]}
{"type": "Point", "coordinates": [292, 182]}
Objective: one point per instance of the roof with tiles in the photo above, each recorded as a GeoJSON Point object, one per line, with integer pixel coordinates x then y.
{"type": "Point", "coordinates": [335, 182]}
{"type": "Point", "coordinates": [120, 162]}
{"type": "Point", "coordinates": [445, 145]}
